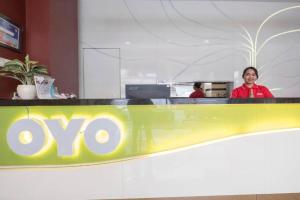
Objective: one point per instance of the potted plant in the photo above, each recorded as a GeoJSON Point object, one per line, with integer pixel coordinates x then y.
{"type": "Point", "coordinates": [23, 72]}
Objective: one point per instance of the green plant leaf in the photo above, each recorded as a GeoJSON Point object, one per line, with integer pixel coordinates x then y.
{"type": "Point", "coordinates": [39, 69]}
{"type": "Point", "coordinates": [23, 72]}
{"type": "Point", "coordinates": [31, 62]}
{"type": "Point", "coordinates": [15, 61]}
{"type": "Point", "coordinates": [12, 69]}
{"type": "Point", "coordinates": [14, 65]}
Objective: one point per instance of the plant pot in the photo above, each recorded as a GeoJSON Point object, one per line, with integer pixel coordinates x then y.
{"type": "Point", "coordinates": [26, 91]}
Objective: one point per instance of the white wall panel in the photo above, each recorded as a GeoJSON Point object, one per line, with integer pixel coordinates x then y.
{"type": "Point", "coordinates": [180, 41]}
{"type": "Point", "coordinates": [101, 73]}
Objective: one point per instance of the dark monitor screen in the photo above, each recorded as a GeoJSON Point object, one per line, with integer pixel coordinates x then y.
{"type": "Point", "coordinates": [147, 91]}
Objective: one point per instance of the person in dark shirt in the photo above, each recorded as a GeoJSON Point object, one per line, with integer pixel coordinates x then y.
{"type": "Point", "coordinates": [198, 93]}
{"type": "Point", "coordinates": [249, 89]}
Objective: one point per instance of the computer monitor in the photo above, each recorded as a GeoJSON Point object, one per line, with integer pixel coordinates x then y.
{"type": "Point", "coordinates": [147, 91]}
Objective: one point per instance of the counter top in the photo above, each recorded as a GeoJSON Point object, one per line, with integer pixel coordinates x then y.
{"type": "Point", "coordinates": [73, 102]}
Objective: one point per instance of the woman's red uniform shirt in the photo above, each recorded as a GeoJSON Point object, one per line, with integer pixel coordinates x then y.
{"type": "Point", "coordinates": [197, 94]}
{"type": "Point", "coordinates": [259, 91]}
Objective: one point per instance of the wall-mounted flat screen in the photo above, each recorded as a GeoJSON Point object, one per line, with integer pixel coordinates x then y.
{"type": "Point", "coordinates": [9, 33]}
{"type": "Point", "coordinates": [147, 91]}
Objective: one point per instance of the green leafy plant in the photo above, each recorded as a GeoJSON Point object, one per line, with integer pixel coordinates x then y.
{"type": "Point", "coordinates": [23, 71]}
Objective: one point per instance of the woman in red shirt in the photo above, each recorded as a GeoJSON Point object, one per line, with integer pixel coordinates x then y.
{"type": "Point", "coordinates": [249, 89]}
{"type": "Point", "coordinates": [198, 93]}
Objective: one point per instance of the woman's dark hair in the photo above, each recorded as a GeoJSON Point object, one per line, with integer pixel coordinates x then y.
{"type": "Point", "coordinates": [253, 68]}
{"type": "Point", "coordinates": [197, 85]}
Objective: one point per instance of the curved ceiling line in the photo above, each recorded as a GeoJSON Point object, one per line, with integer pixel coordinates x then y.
{"type": "Point", "coordinates": [204, 63]}
{"type": "Point", "coordinates": [218, 59]}
{"type": "Point", "coordinates": [277, 56]}
{"type": "Point", "coordinates": [264, 22]}
{"type": "Point", "coordinates": [246, 57]}
{"type": "Point", "coordinates": [275, 36]}
{"type": "Point", "coordinates": [286, 76]}
{"type": "Point", "coordinates": [159, 37]}
{"type": "Point", "coordinates": [185, 32]}
{"type": "Point", "coordinates": [207, 55]}
{"type": "Point", "coordinates": [246, 46]}
{"type": "Point", "coordinates": [195, 21]}
{"type": "Point", "coordinates": [212, 61]}
{"type": "Point", "coordinates": [185, 63]}
{"type": "Point", "coordinates": [295, 84]}
{"type": "Point", "coordinates": [246, 50]}
{"type": "Point", "coordinates": [278, 64]}
{"type": "Point", "coordinates": [196, 61]}
{"type": "Point", "coordinates": [248, 38]}
{"type": "Point", "coordinates": [97, 49]}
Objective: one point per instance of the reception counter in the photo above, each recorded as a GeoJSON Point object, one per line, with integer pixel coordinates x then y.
{"type": "Point", "coordinates": [66, 102]}
{"type": "Point", "coordinates": [31, 130]}
{"type": "Point", "coordinates": [213, 146]}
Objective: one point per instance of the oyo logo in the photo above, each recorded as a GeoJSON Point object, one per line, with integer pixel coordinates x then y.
{"type": "Point", "coordinates": [101, 136]}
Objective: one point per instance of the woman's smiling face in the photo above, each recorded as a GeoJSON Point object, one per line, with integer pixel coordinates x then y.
{"type": "Point", "coordinates": [250, 76]}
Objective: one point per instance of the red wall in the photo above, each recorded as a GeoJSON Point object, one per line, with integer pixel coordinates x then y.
{"type": "Point", "coordinates": [15, 10]}
{"type": "Point", "coordinates": [52, 39]}
{"type": "Point", "coordinates": [50, 36]}
{"type": "Point", "coordinates": [64, 44]}
{"type": "Point", "coordinates": [37, 31]}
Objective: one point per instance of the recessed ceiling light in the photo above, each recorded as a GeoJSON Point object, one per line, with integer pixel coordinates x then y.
{"type": "Point", "coordinates": [206, 41]}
